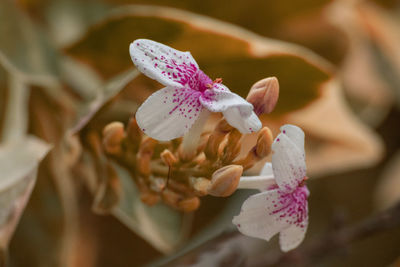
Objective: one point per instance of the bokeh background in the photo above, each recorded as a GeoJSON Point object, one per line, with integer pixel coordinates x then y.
{"type": "Point", "coordinates": [65, 72]}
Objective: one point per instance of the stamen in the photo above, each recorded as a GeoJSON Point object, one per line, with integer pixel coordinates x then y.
{"type": "Point", "coordinates": [302, 183]}
{"type": "Point", "coordinates": [168, 177]}
{"type": "Point", "coordinates": [218, 80]}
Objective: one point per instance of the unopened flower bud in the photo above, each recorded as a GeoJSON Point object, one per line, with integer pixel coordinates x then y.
{"type": "Point", "coordinates": [133, 132]}
{"type": "Point", "coordinates": [189, 204]}
{"type": "Point", "coordinates": [259, 151]}
{"type": "Point", "coordinates": [149, 198]}
{"type": "Point", "coordinates": [199, 159]}
{"type": "Point", "coordinates": [215, 139]}
{"type": "Point", "coordinates": [113, 134]}
{"type": "Point", "coordinates": [264, 142]}
{"type": "Point", "coordinates": [171, 198]}
{"type": "Point", "coordinates": [233, 146]}
{"type": "Point", "coordinates": [223, 127]}
{"type": "Point", "coordinates": [157, 184]}
{"type": "Point", "coordinates": [200, 185]}
{"type": "Point", "coordinates": [144, 155]}
{"type": "Point", "coordinates": [264, 95]}
{"type": "Point", "coordinates": [168, 157]}
{"type": "Point", "coordinates": [225, 180]}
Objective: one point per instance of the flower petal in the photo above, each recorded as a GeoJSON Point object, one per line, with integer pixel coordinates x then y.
{"type": "Point", "coordinates": [245, 124]}
{"type": "Point", "coordinates": [237, 111]}
{"type": "Point", "coordinates": [261, 182]}
{"type": "Point", "coordinates": [219, 98]}
{"type": "Point", "coordinates": [292, 236]}
{"type": "Point", "coordinates": [258, 217]}
{"type": "Point", "coordinates": [169, 66]}
{"type": "Point", "coordinates": [295, 134]}
{"type": "Point", "coordinates": [169, 113]}
{"type": "Point", "coordinates": [267, 169]}
{"type": "Point", "coordinates": [288, 163]}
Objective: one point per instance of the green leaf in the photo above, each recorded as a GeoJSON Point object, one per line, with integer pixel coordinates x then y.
{"type": "Point", "coordinates": [160, 225]}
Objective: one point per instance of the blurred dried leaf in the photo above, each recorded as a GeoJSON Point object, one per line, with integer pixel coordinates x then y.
{"type": "Point", "coordinates": [384, 30]}
{"type": "Point", "coordinates": [18, 166]}
{"type": "Point", "coordinates": [64, 20]}
{"type": "Point", "coordinates": [160, 225]}
{"type": "Point", "coordinates": [299, 22]}
{"type": "Point", "coordinates": [3, 99]}
{"type": "Point", "coordinates": [23, 47]}
{"type": "Point", "coordinates": [388, 189]}
{"type": "Point", "coordinates": [370, 92]}
{"type": "Point", "coordinates": [337, 140]}
{"type": "Point", "coordinates": [16, 110]}
{"type": "Point", "coordinates": [222, 50]}
{"type": "Point", "coordinates": [103, 98]}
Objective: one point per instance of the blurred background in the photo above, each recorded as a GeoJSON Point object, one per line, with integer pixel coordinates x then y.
{"type": "Point", "coordinates": [65, 72]}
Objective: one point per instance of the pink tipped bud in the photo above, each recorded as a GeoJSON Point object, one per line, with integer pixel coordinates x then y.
{"type": "Point", "coordinates": [264, 95]}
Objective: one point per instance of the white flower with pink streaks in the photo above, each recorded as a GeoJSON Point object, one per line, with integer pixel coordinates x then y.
{"type": "Point", "coordinates": [189, 94]}
{"type": "Point", "coordinates": [282, 205]}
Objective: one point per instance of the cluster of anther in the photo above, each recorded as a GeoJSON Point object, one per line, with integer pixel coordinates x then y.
{"type": "Point", "coordinates": [210, 85]}
{"type": "Point", "coordinates": [163, 172]}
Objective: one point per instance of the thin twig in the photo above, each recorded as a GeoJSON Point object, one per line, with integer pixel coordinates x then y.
{"type": "Point", "coordinates": [308, 253]}
{"type": "Point", "coordinates": [335, 240]}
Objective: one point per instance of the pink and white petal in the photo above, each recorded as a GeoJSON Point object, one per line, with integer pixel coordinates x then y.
{"type": "Point", "coordinates": [292, 236]}
{"type": "Point", "coordinates": [261, 183]}
{"type": "Point", "coordinates": [258, 217]}
{"type": "Point", "coordinates": [169, 113]}
{"type": "Point", "coordinates": [244, 123]}
{"type": "Point", "coordinates": [219, 99]}
{"type": "Point", "coordinates": [295, 134]}
{"type": "Point", "coordinates": [169, 66]}
{"type": "Point", "coordinates": [288, 163]}
{"type": "Point", "coordinates": [237, 111]}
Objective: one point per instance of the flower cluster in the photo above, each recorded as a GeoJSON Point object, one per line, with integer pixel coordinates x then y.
{"type": "Point", "coordinates": [170, 112]}
{"type": "Point", "coordinates": [182, 170]}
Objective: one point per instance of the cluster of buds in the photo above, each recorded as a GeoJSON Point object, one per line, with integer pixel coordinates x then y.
{"type": "Point", "coordinates": [162, 171]}
{"type": "Point", "coordinates": [167, 172]}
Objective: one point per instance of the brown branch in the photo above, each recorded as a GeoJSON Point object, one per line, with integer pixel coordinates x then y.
{"type": "Point", "coordinates": [335, 240]}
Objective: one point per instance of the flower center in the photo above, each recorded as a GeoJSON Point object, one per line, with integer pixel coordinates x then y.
{"type": "Point", "coordinates": [292, 207]}
{"type": "Point", "coordinates": [200, 82]}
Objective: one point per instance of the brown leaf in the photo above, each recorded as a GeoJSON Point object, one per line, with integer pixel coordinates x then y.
{"type": "Point", "coordinates": [23, 47]}
{"type": "Point", "coordinates": [363, 75]}
{"type": "Point", "coordinates": [299, 22]}
{"type": "Point", "coordinates": [103, 98]}
{"type": "Point", "coordinates": [388, 189]}
{"type": "Point", "coordinates": [18, 168]}
{"type": "Point", "coordinates": [222, 50]}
